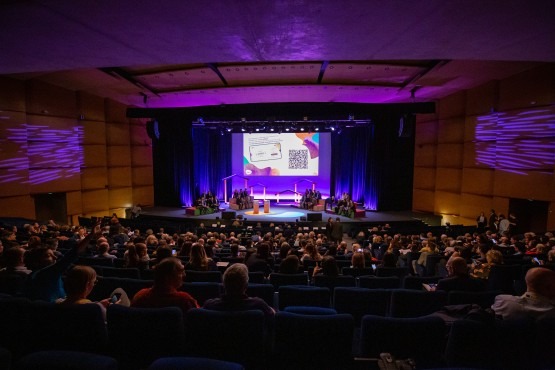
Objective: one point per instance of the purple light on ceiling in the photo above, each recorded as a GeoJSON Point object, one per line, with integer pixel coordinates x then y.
{"type": "Point", "coordinates": [516, 142]}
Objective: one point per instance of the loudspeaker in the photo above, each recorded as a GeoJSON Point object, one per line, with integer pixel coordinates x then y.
{"type": "Point", "coordinates": [228, 215]}
{"type": "Point", "coordinates": [314, 216]}
{"type": "Point", "coordinates": [407, 123]}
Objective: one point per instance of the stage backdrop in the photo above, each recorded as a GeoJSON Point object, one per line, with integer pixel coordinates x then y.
{"type": "Point", "coordinates": [374, 164]}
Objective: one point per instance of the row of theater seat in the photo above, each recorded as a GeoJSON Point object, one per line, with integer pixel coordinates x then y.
{"type": "Point", "coordinates": [298, 337]}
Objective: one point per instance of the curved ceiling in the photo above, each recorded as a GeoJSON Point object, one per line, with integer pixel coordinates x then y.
{"type": "Point", "coordinates": [176, 53]}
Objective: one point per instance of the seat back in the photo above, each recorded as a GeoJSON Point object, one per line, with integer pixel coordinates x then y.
{"type": "Point", "coordinates": [202, 291]}
{"type": "Point", "coordinates": [140, 335]}
{"type": "Point", "coordinates": [14, 324]}
{"type": "Point", "coordinates": [415, 282]}
{"type": "Point", "coordinates": [483, 299]}
{"type": "Point", "coordinates": [301, 295]}
{"type": "Point", "coordinates": [413, 303]}
{"type": "Point", "coordinates": [361, 301]}
{"type": "Point", "coordinates": [203, 276]}
{"type": "Point", "coordinates": [400, 272]}
{"type": "Point", "coordinates": [502, 277]}
{"type": "Point", "coordinates": [278, 279]}
{"type": "Point", "coordinates": [331, 282]}
{"type": "Point", "coordinates": [313, 341]}
{"type": "Point", "coordinates": [67, 360]}
{"type": "Point", "coordinates": [421, 339]}
{"type": "Point", "coordinates": [357, 272]}
{"type": "Point", "coordinates": [78, 327]}
{"type": "Point", "coordinates": [264, 291]}
{"type": "Point", "coordinates": [256, 277]}
{"type": "Point", "coordinates": [374, 282]}
{"type": "Point", "coordinates": [130, 273]}
{"type": "Point", "coordinates": [193, 363]}
{"type": "Point", "coordinates": [237, 336]}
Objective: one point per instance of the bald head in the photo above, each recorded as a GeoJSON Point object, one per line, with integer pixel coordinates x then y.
{"type": "Point", "coordinates": [541, 281]}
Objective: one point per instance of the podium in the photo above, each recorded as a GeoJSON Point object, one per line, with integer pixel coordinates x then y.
{"type": "Point", "coordinates": [256, 208]}
{"type": "Point", "coordinates": [266, 206]}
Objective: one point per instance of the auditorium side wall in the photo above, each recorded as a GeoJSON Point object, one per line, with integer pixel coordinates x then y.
{"type": "Point", "coordinates": [54, 140]}
{"type": "Point", "coordinates": [486, 145]}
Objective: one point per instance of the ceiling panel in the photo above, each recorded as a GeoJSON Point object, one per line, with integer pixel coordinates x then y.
{"type": "Point", "coordinates": [181, 79]}
{"type": "Point", "coordinates": [370, 73]}
{"type": "Point", "coordinates": [270, 74]}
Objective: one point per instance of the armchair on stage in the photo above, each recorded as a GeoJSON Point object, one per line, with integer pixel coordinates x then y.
{"type": "Point", "coordinates": [246, 205]}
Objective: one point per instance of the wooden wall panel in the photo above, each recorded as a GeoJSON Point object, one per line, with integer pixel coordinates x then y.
{"type": "Point", "coordinates": [478, 181]}
{"type": "Point", "coordinates": [119, 177]}
{"type": "Point", "coordinates": [94, 133]}
{"type": "Point", "coordinates": [74, 203]}
{"type": "Point", "coordinates": [482, 99]}
{"type": "Point", "coordinates": [95, 155]}
{"type": "Point", "coordinates": [46, 99]}
{"type": "Point", "coordinates": [53, 181]}
{"type": "Point", "coordinates": [533, 185]}
{"type": "Point", "coordinates": [424, 178]}
{"type": "Point", "coordinates": [450, 155]}
{"type": "Point", "coordinates": [117, 134]}
{"type": "Point", "coordinates": [120, 198]}
{"type": "Point", "coordinates": [426, 133]}
{"type": "Point", "coordinates": [448, 179]}
{"type": "Point", "coordinates": [90, 107]}
{"type": "Point", "coordinates": [14, 182]}
{"type": "Point", "coordinates": [425, 155]}
{"type": "Point", "coordinates": [451, 130]}
{"type": "Point", "coordinates": [138, 134]}
{"type": "Point", "coordinates": [142, 176]}
{"type": "Point", "coordinates": [95, 202]}
{"type": "Point", "coordinates": [472, 205]}
{"type": "Point", "coordinates": [423, 200]}
{"type": "Point", "coordinates": [119, 156]}
{"type": "Point", "coordinates": [20, 206]}
{"type": "Point", "coordinates": [447, 203]}
{"type": "Point", "coordinates": [528, 89]}
{"type": "Point", "coordinates": [141, 156]}
{"type": "Point", "coordinates": [452, 106]}
{"type": "Point", "coordinates": [12, 94]}
{"type": "Point", "coordinates": [479, 154]}
{"type": "Point", "coordinates": [143, 195]}
{"type": "Point", "coordinates": [94, 178]}
{"type": "Point", "coordinates": [115, 112]}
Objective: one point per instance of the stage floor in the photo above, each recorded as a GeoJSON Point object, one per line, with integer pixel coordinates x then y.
{"type": "Point", "coordinates": [280, 213]}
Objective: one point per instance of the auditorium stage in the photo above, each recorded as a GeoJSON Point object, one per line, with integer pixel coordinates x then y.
{"type": "Point", "coordinates": [286, 213]}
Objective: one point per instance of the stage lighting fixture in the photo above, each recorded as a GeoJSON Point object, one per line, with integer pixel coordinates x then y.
{"type": "Point", "coordinates": [287, 129]}
{"type": "Point", "coordinates": [272, 129]}
{"type": "Point", "coordinates": [302, 128]}
{"type": "Point", "coordinates": [228, 129]}
{"type": "Point", "coordinates": [243, 129]}
{"type": "Point", "coordinates": [332, 128]}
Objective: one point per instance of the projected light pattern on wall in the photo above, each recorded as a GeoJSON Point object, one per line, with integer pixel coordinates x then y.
{"type": "Point", "coordinates": [517, 142]}
{"type": "Point", "coordinates": [48, 154]}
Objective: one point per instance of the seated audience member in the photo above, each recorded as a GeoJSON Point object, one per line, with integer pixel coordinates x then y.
{"type": "Point", "coordinates": [168, 278]}
{"type": "Point", "coordinates": [103, 249]}
{"type": "Point", "coordinates": [199, 261]}
{"type": "Point", "coordinates": [358, 261]}
{"type": "Point", "coordinates": [13, 260]}
{"type": "Point", "coordinates": [45, 282]}
{"type": "Point", "coordinates": [259, 261]}
{"type": "Point", "coordinates": [328, 267]}
{"type": "Point", "coordinates": [537, 302]}
{"type": "Point", "coordinates": [482, 270]}
{"type": "Point", "coordinates": [136, 255]}
{"type": "Point", "coordinates": [459, 279]}
{"type": "Point", "coordinates": [389, 260]}
{"type": "Point", "coordinates": [289, 265]}
{"type": "Point", "coordinates": [236, 280]}
{"type": "Point", "coordinates": [162, 252]}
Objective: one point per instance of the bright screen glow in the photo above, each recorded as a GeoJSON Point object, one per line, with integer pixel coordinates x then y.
{"type": "Point", "coordinates": [285, 154]}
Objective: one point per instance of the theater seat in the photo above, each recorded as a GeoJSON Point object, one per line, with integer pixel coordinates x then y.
{"type": "Point", "coordinates": [66, 360]}
{"type": "Point", "coordinates": [193, 363]}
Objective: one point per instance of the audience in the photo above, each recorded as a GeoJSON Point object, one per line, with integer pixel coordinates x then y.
{"type": "Point", "coordinates": [538, 301]}
{"type": "Point", "coordinates": [168, 278]}
{"type": "Point", "coordinates": [236, 280]}
{"type": "Point", "coordinates": [459, 278]}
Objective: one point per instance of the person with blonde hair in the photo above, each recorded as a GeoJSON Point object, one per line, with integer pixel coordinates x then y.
{"type": "Point", "coordinates": [482, 270]}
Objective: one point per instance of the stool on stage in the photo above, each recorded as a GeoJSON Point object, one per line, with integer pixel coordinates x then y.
{"type": "Point", "coordinates": [256, 209]}
{"type": "Point", "coordinates": [266, 206]}
{"type": "Point", "coordinates": [193, 211]}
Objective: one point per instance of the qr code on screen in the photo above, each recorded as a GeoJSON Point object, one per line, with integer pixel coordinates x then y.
{"type": "Point", "coordinates": [298, 159]}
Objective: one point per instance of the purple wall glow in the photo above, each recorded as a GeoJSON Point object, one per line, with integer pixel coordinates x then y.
{"type": "Point", "coordinates": [517, 141]}
{"type": "Point", "coordinates": [49, 154]}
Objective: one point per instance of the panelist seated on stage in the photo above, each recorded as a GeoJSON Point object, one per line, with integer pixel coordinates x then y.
{"type": "Point", "coordinates": [207, 203]}
{"type": "Point", "coordinates": [241, 200]}
{"type": "Point", "coordinates": [310, 199]}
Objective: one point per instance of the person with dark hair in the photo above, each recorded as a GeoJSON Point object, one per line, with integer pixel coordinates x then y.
{"type": "Point", "coordinates": [459, 278]}
{"type": "Point", "coordinates": [162, 252]}
{"type": "Point", "coordinates": [168, 278]}
{"type": "Point", "coordinates": [235, 281]}
{"type": "Point", "coordinates": [290, 265]}
{"type": "Point", "coordinates": [328, 267]}
{"type": "Point", "coordinates": [45, 282]}
{"type": "Point", "coordinates": [198, 260]}
{"type": "Point", "coordinates": [259, 261]}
